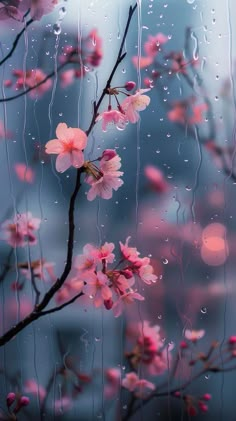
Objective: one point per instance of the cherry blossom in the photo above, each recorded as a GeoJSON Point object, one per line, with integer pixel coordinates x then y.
{"type": "Point", "coordinates": [156, 179]}
{"type": "Point", "coordinates": [97, 288]}
{"type": "Point", "coordinates": [24, 173]}
{"type": "Point", "coordinates": [124, 299]}
{"type": "Point", "coordinates": [134, 384]}
{"type": "Point", "coordinates": [21, 230]}
{"type": "Point", "coordinates": [185, 112]}
{"type": "Point", "coordinates": [115, 117]}
{"type": "Point", "coordinates": [31, 78]}
{"type": "Point", "coordinates": [69, 147]}
{"type": "Point", "coordinates": [10, 11]}
{"type": "Point", "coordinates": [129, 253]}
{"type": "Point", "coordinates": [135, 103]}
{"type": "Point", "coordinates": [39, 8]}
{"type": "Point", "coordinates": [151, 47]}
{"type": "Point", "coordinates": [105, 179]}
{"type": "Point", "coordinates": [194, 335]}
{"type": "Point", "coordinates": [31, 386]}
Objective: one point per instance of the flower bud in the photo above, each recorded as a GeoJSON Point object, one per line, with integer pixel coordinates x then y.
{"type": "Point", "coordinates": [10, 398]}
{"type": "Point", "coordinates": [108, 304]}
{"type": "Point", "coordinates": [129, 86]}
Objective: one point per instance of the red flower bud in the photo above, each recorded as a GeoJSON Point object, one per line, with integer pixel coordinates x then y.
{"type": "Point", "coordinates": [10, 398]}
{"type": "Point", "coordinates": [129, 86]}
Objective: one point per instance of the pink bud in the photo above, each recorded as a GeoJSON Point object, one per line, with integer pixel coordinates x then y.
{"type": "Point", "coordinates": [206, 397]}
{"type": "Point", "coordinates": [10, 398]}
{"type": "Point", "coordinates": [232, 340]}
{"type": "Point", "coordinates": [177, 394]}
{"type": "Point", "coordinates": [128, 274]}
{"type": "Point", "coordinates": [129, 86]}
{"type": "Point", "coordinates": [203, 407]}
{"type": "Point", "coordinates": [183, 345]}
{"type": "Point", "coordinates": [148, 82]}
{"type": "Point", "coordinates": [24, 401]}
{"type": "Point", "coordinates": [108, 304]}
{"type": "Point", "coordinates": [108, 154]}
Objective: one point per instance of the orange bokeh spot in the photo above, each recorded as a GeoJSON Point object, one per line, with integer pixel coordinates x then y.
{"type": "Point", "coordinates": [214, 250]}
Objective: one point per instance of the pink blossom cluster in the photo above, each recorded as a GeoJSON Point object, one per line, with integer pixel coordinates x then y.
{"type": "Point", "coordinates": [151, 48]}
{"type": "Point", "coordinates": [21, 230]}
{"type": "Point", "coordinates": [105, 178]}
{"type": "Point", "coordinates": [111, 287]}
{"type": "Point", "coordinates": [149, 350]}
{"type": "Point", "coordinates": [128, 110]}
{"type": "Point", "coordinates": [86, 55]}
{"type": "Point", "coordinates": [186, 112]}
{"type": "Point", "coordinates": [29, 79]}
{"type": "Point", "coordinates": [15, 9]}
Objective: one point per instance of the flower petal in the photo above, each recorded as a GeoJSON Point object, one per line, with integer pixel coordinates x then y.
{"type": "Point", "coordinates": [63, 162]}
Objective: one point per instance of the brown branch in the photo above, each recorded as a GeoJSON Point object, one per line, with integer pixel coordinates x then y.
{"type": "Point", "coordinates": [38, 311]}
{"type": "Point", "coordinates": [31, 88]}
{"type": "Point", "coordinates": [7, 266]}
{"type": "Point", "coordinates": [15, 43]}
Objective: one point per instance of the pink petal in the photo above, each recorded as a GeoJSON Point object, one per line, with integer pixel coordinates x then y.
{"type": "Point", "coordinates": [80, 138]}
{"type": "Point", "coordinates": [62, 131]}
{"type": "Point", "coordinates": [54, 146]}
{"type": "Point", "coordinates": [63, 162]}
{"type": "Point", "coordinates": [77, 159]}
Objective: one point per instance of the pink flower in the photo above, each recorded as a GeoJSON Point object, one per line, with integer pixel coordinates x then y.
{"type": "Point", "coordinates": [31, 386]}
{"type": "Point", "coordinates": [21, 231]}
{"type": "Point", "coordinates": [39, 8]}
{"type": "Point", "coordinates": [62, 404]}
{"type": "Point", "coordinates": [68, 146]}
{"type": "Point", "coordinates": [97, 288]}
{"type": "Point", "coordinates": [24, 173]}
{"type": "Point", "coordinates": [67, 77]}
{"type": "Point", "coordinates": [10, 11]}
{"type": "Point", "coordinates": [102, 253]}
{"type": "Point", "coordinates": [156, 178]}
{"type": "Point", "coordinates": [151, 47]}
{"type": "Point", "coordinates": [113, 117]}
{"type": "Point", "coordinates": [85, 262]}
{"type": "Point", "coordinates": [185, 112]}
{"type": "Point", "coordinates": [4, 133]}
{"type": "Point", "coordinates": [154, 43]}
{"type": "Point", "coordinates": [31, 78]}
{"type": "Point", "coordinates": [135, 103]}
{"type": "Point", "coordinates": [113, 378]}
{"type": "Point", "coordinates": [122, 283]}
{"type": "Point", "coordinates": [145, 272]}
{"type": "Point", "coordinates": [134, 384]}
{"type": "Point", "coordinates": [124, 299]}
{"type": "Point", "coordinates": [107, 178]}
{"type": "Point", "coordinates": [194, 335]}
{"type": "Point", "coordinates": [129, 253]}
{"type": "Point", "coordinates": [142, 61]}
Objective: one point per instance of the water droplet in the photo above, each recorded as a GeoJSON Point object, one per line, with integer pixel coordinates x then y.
{"type": "Point", "coordinates": [203, 310]}
{"type": "Point", "coordinates": [159, 316]}
{"type": "Point", "coordinates": [188, 188]}
{"type": "Point", "coordinates": [190, 1]}
{"type": "Point", "coordinates": [165, 261]}
{"type": "Point", "coordinates": [97, 339]}
{"type": "Point", "coordinates": [57, 29]}
{"type": "Point", "coordinates": [207, 376]}
{"type": "Point", "coordinates": [62, 13]}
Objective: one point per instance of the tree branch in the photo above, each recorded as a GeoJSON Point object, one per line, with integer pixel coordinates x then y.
{"type": "Point", "coordinates": [38, 311]}
{"type": "Point", "coordinates": [15, 43]}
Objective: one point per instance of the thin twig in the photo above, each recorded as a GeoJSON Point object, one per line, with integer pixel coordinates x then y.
{"type": "Point", "coordinates": [15, 43]}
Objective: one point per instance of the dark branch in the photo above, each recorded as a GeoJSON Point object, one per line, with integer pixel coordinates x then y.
{"type": "Point", "coordinates": [38, 311]}
{"type": "Point", "coordinates": [15, 43]}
